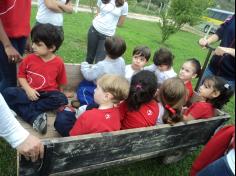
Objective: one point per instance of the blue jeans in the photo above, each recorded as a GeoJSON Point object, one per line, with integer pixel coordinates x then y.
{"type": "Point", "coordinates": [28, 110]}
{"type": "Point", "coordinates": [219, 167]}
{"type": "Point", "coordinates": [95, 49]}
{"type": "Point", "coordinates": [208, 73]}
{"type": "Point", "coordinates": [8, 70]}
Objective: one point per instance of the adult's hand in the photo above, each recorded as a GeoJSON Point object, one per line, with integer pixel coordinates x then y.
{"type": "Point", "coordinates": [31, 148]}
{"type": "Point", "coordinates": [203, 42]}
{"type": "Point", "coordinates": [220, 51]}
{"type": "Point", "coordinates": [12, 54]}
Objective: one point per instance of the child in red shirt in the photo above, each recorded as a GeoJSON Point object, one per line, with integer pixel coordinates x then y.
{"type": "Point", "coordinates": [191, 69]}
{"type": "Point", "coordinates": [111, 89]}
{"type": "Point", "coordinates": [140, 109]}
{"type": "Point", "coordinates": [41, 76]}
{"type": "Point", "coordinates": [173, 97]}
{"type": "Point", "coordinates": [215, 93]}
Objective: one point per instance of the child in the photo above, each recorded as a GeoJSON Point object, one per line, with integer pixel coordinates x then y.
{"type": "Point", "coordinates": [215, 93]}
{"type": "Point", "coordinates": [173, 97]}
{"type": "Point", "coordinates": [140, 109]}
{"type": "Point", "coordinates": [41, 76]}
{"type": "Point", "coordinates": [191, 69]}
{"type": "Point", "coordinates": [113, 64]}
{"type": "Point", "coordinates": [163, 61]}
{"type": "Point", "coordinates": [111, 89]}
{"type": "Point", "coordinates": [141, 55]}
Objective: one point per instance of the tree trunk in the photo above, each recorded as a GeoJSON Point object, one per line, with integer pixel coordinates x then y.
{"type": "Point", "coordinates": [149, 4]}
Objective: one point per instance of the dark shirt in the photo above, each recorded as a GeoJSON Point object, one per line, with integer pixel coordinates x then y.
{"type": "Point", "coordinates": [224, 66]}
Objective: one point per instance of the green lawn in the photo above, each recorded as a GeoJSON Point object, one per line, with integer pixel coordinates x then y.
{"type": "Point", "coordinates": [184, 45]}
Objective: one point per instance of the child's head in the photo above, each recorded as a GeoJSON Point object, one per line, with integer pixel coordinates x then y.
{"type": "Point", "coordinates": [115, 47]}
{"type": "Point", "coordinates": [216, 91]}
{"type": "Point", "coordinates": [190, 69]}
{"type": "Point", "coordinates": [163, 59]}
{"type": "Point", "coordinates": [173, 97]}
{"type": "Point", "coordinates": [142, 89]}
{"type": "Point", "coordinates": [111, 89]}
{"type": "Point", "coordinates": [48, 35]}
{"type": "Point", "coordinates": [141, 55]}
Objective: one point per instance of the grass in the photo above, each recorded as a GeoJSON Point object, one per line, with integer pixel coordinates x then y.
{"type": "Point", "coordinates": [183, 45]}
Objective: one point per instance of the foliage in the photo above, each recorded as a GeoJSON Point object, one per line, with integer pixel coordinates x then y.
{"type": "Point", "coordinates": [180, 13]}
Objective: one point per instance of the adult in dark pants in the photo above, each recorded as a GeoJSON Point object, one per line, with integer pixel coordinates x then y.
{"type": "Point", "coordinates": [14, 30]}
{"type": "Point", "coordinates": [223, 61]}
{"type": "Point", "coordinates": [110, 14]}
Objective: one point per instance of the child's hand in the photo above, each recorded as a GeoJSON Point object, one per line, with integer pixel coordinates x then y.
{"type": "Point", "coordinates": [32, 94]}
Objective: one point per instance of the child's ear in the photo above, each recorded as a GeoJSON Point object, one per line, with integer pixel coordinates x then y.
{"type": "Point", "coordinates": [53, 48]}
{"type": "Point", "coordinates": [109, 96]}
{"type": "Point", "coordinates": [215, 94]}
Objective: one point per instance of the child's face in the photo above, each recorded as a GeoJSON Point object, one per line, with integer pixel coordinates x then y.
{"type": "Point", "coordinates": [187, 72]}
{"type": "Point", "coordinates": [163, 68]}
{"type": "Point", "coordinates": [40, 49]}
{"type": "Point", "coordinates": [138, 62]}
{"type": "Point", "coordinates": [207, 91]}
{"type": "Point", "coordinates": [101, 97]}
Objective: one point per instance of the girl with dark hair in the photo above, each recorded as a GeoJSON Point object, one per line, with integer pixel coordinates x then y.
{"type": "Point", "coordinates": [190, 69]}
{"type": "Point", "coordinates": [110, 14]}
{"type": "Point", "coordinates": [215, 93]}
{"type": "Point", "coordinates": [140, 109]}
{"type": "Point", "coordinates": [173, 97]}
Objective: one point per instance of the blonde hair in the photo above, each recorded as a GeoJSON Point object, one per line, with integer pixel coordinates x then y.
{"type": "Point", "coordinates": [173, 97]}
{"type": "Point", "coordinates": [116, 85]}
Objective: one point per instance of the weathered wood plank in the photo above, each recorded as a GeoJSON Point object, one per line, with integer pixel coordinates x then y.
{"type": "Point", "coordinates": [75, 155]}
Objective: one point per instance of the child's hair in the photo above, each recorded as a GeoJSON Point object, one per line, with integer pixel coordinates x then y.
{"type": "Point", "coordinates": [173, 97]}
{"type": "Point", "coordinates": [163, 56]}
{"type": "Point", "coordinates": [48, 34]}
{"type": "Point", "coordinates": [225, 91]}
{"type": "Point", "coordinates": [142, 89]}
{"type": "Point", "coordinates": [115, 47]}
{"type": "Point", "coordinates": [196, 64]}
{"type": "Point", "coordinates": [143, 51]}
{"type": "Point", "coordinates": [119, 3]}
{"type": "Point", "coordinates": [118, 86]}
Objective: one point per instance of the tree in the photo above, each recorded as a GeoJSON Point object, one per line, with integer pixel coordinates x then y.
{"type": "Point", "coordinates": [179, 13]}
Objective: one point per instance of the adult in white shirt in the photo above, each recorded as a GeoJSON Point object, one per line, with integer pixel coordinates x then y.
{"type": "Point", "coordinates": [51, 11]}
{"type": "Point", "coordinates": [17, 136]}
{"type": "Point", "coordinates": [110, 14]}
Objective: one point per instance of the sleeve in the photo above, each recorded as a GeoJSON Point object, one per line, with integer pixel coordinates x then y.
{"type": "Point", "coordinates": [22, 68]}
{"type": "Point", "coordinates": [80, 126]}
{"type": "Point", "coordinates": [151, 68]}
{"type": "Point", "coordinates": [91, 72]}
{"type": "Point", "coordinates": [221, 29]}
{"type": "Point", "coordinates": [61, 78]}
{"type": "Point", "coordinates": [125, 9]}
{"type": "Point", "coordinates": [10, 128]}
{"type": "Point", "coordinates": [196, 110]}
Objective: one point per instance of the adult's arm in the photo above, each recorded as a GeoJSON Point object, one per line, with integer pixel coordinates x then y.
{"type": "Point", "coordinates": [68, 8]}
{"type": "Point", "coordinates": [17, 136]}
{"type": "Point", "coordinates": [207, 41]}
{"type": "Point", "coordinates": [12, 54]}
{"type": "Point", "coordinates": [53, 6]}
{"type": "Point", "coordinates": [121, 21]}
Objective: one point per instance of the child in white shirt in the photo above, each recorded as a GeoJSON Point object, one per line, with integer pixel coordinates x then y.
{"type": "Point", "coordinates": [141, 55]}
{"type": "Point", "coordinates": [163, 62]}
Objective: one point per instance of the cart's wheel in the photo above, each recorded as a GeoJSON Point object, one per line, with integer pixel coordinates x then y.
{"type": "Point", "coordinates": [206, 28]}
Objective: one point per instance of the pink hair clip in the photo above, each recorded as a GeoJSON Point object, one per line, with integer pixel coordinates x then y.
{"type": "Point", "coordinates": [169, 108]}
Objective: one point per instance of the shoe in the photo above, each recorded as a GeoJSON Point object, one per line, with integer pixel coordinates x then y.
{"type": "Point", "coordinates": [40, 123]}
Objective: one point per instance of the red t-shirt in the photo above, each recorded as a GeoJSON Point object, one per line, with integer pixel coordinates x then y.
{"type": "Point", "coordinates": [146, 116]}
{"type": "Point", "coordinates": [15, 16]}
{"type": "Point", "coordinates": [97, 121]}
{"type": "Point", "coordinates": [200, 110]}
{"type": "Point", "coordinates": [189, 88]}
{"type": "Point", "coordinates": [41, 75]}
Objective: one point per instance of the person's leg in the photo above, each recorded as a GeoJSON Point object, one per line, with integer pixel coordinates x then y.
{"type": "Point", "coordinates": [219, 167]}
{"type": "Point", "coordinates": [8, 70]}
{"type": "Point", "coordinates": [101, 52]}
{"type": "Point", "coordinates": [92, 45]}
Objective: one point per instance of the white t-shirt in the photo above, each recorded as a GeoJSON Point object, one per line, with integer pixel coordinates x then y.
{"type": "Point", "coordinates": [10, 128]}
{"type": "Point", "coordinates": [161, 76]}
{"type": "Point", "coordinates": [106, 21]}
{"type": "Point", "coordinates": [231, 160]}
{"type": "Point", "coordinates": [45, 15]}
{"type": "Point", "coordinates": [129, 72]}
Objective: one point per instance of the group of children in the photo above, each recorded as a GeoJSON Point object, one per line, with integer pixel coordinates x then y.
{"type": "Point", "coordinates": [121, 97]}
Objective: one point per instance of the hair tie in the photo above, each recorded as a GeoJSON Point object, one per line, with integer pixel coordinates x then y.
{"type": "Point", "coordinates": [139, 86]}
{"type": "Point", "coordinates": [227, 86]}
{"type": "Point", "coordinates": [169, 108]}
